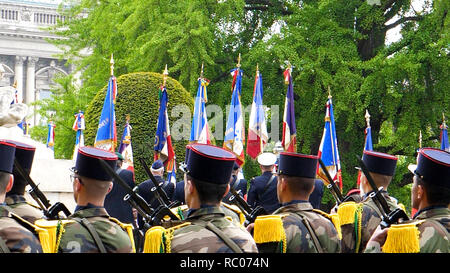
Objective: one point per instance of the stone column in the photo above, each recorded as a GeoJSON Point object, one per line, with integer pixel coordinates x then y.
{"type": "Point", "coordinates": [31, 81]}
{"type": "Point", "coordinates": [18, 73]}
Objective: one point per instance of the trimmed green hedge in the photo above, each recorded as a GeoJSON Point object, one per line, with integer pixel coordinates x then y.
{"type": "Point", "coordinates": [137, 95]}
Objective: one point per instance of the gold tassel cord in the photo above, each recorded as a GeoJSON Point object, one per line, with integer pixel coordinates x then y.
{"type": "Point", "coordinates": [402, 238]}
{"type": "Point", "coordinates": [269, 228]}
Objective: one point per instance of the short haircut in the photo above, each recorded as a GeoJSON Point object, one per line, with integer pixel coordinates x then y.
{"type": "Point", "coordinates": [436, 195]}
{"type": "Point", "coordinates": [299, 185]}
{"type": "Point", "coordinates": [4, 179]}
{"type": "Point", "coordinates": [208, 192]}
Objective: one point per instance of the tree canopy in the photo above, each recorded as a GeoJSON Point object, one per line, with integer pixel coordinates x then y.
{"type": "Point", "coordinates": [330, 43]}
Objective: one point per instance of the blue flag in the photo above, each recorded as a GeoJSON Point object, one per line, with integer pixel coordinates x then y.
{"type": "Point", "coordinates": [106, 137]}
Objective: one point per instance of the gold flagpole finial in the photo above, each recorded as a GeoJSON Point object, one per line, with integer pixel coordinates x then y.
{"type": "Point", "coordinates": [111, 62]}
{"type": "Point", "coordinates": [239, 61]}
{"type": "Point", "coordinates": [127, 117]}
{"type": "Point", "coordinates": [257, 68]}
{"type": "Point", "coordinates": [15, 84]}
{"type": "Point", "coordinates": [367, 116]}
{"type": "Point", "coordinates": [329, 92]}
{"type": "Point", "coordinates": [443, 118]}
{"type": "Point", "coordinates": [201, 72]}
{"type": "Point", "coordinates": [165, 73]}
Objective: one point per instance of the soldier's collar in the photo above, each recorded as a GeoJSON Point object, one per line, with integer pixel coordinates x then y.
{"type": "Point", "coordinates": [424, 210]}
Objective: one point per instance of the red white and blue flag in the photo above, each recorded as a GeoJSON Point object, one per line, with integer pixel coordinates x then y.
{"type": "Point", "coordinates": [257, 130]}
{"type": "Point", "coordinates": [289, 140]}
{"type": "Point", "coordinates": [200, 129]}
{"type": "Point", "coordinates": [163, 140]}
{"type": "Point", "coordinates": [234, 133]}
{"type": "Point", "coordinates": [328, 150]}
{"type": "Point", "coordinates": [106, 137]}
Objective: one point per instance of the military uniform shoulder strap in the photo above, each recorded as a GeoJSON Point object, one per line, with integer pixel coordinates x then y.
{"type": "Point", "coordinates": [126, 227]}
{"type": "Point", "coordinates": [235, 209]}
{"type": "Point", "coordinates": [98, 241]}
{"type": "Point", "coordinates": [224, 237]}
{"type": "Point", "coordinates": [334, 218]}
{"type": "Point", "coordinates": [158, 239]}
{"type": "Point", "coordinates": [311, 231]}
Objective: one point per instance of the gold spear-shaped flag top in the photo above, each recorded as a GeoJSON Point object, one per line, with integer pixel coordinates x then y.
{"type": "Point", "coordinates": [239, 61]}
{"type": "Point", "coordinates": [165, 73]}
{"type": "Point", "coordinates": [367, 116]}
{"type": "Point", "coordinates": [329, 92]}
{"type": "Point", "coordinates": [112, 64]}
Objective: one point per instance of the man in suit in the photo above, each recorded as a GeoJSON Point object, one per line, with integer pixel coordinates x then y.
{"type": "Point", "coordinates": [114, 203]}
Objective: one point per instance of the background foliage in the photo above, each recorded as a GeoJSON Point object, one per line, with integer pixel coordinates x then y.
{"type": "Point", "coordinates": [330, 43]}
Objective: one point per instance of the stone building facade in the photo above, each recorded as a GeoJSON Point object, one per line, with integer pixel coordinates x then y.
{"type": "Point", "coordinates": [27, 58]}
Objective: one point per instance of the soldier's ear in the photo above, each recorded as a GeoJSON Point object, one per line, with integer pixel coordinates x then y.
{"type": "Point", "coordinates": [227, 190]}
{"type": "Point", "coordinates": [10, 183]}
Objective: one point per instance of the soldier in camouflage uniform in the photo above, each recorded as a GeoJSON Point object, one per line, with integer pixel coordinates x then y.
{"type": "Point", "coordinates": [15, 198]}
{"type": "Point", "coordinates": [430, 195]}
{"type": "Point", "coordinates": [16, 234]}
{"type": "Point", "coordinates": [366, 214]}
{"type": "Point", "coordinates": [90, 229]}
{"type": "Point", "coordinates": [206, 229]}
{"type": "Point", "coordinates": [303, 229]}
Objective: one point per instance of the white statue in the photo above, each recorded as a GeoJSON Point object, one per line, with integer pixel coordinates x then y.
{"type": "Point", "coordinates": [10, 114]}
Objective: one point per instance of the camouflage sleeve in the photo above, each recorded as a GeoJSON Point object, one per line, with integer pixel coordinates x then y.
{"type": "Point", "coordinates": [433, 238]}
{"type": "Point", "coordinates": [21, 241]}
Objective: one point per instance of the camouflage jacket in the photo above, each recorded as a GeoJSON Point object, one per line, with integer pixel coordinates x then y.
{"type": "Point", "coordinates": [196, 238]}
{"type": "Point", "coordinates": [21, 207]}
{"type": "Point", "coordinates": [433, 224]}
{"type": "Point", "coordinates": [298, 237]}
{"type": "Point", "coordinates": [17, 235]}
{"type": "Point", "coordinates": [354, 239]}
{"type": "Point", "coordinates": [76, 238]}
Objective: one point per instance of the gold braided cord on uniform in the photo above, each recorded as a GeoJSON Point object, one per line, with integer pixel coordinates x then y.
{"type": "Point", "coordinates": [59, 231]}
{"type": "Point", "coordinates": [403, 238]}
{"type": "Point", "coordinates": [357, 224]}
{"type": "Point", "coordinates": [346, 212]}
{"type": "Point", "coordinates": [269, 228]}
{"type": "Point", "coordinates": [236, 209]}
{"type": "Point", "coordinates": [334, 219]}
{"type": "Point", "coordinates": [128, 228]}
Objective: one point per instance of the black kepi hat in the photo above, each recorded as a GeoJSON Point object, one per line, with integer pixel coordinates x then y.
{"type": "Point", "coordinates": [24, 154]}
{"type": "Point", "coordinates": [7, 151]}
{"type": "Point", "coordinates": [210, 163]}
{"type": "Point", "coordinates": [300, 165]}
{"type": "Point", "coordinates": [88, 163]}
{"type": "Point", "coordinates": [433, 166]}
{"type": "Point", "coordinates": [380, 163]}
